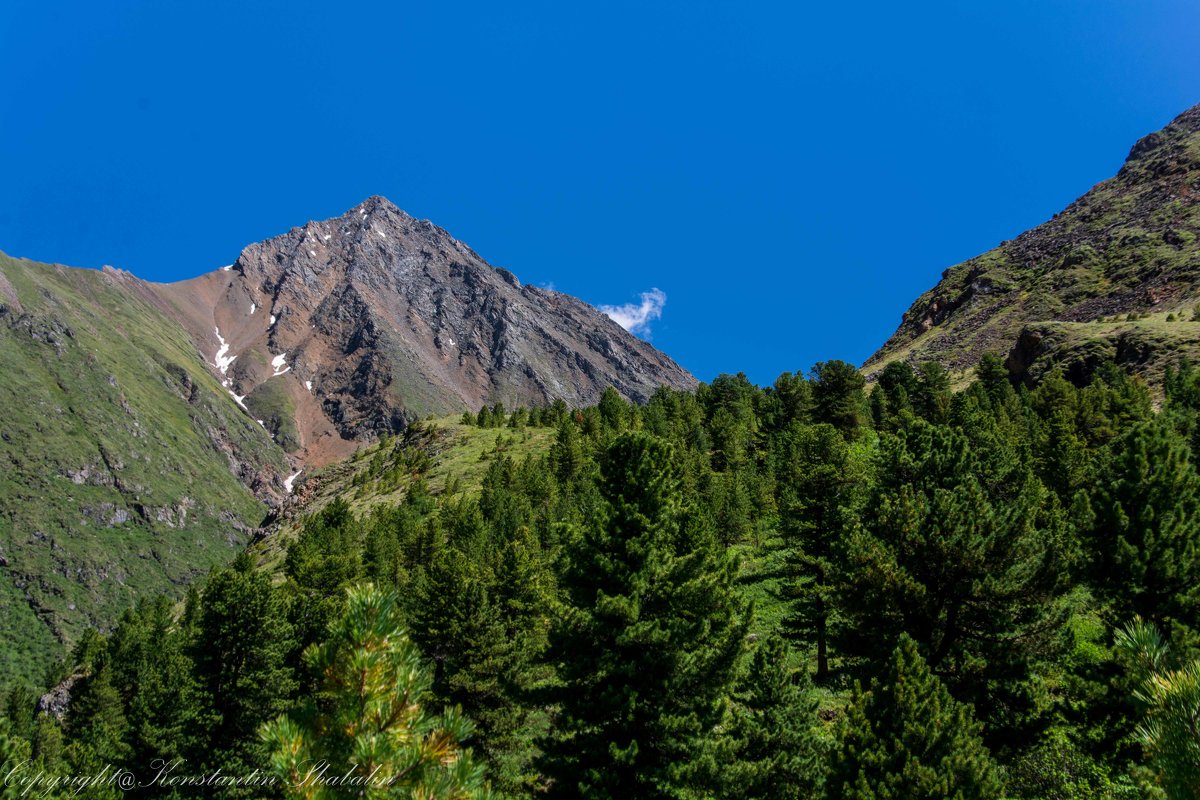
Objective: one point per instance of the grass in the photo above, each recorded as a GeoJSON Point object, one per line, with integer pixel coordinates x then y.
{"type": "Point", "coordinates": [380, 474]}
{"type": "Point", "coordinates": [130, 490]}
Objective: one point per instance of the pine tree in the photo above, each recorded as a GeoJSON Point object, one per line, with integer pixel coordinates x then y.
{"type": "Point", "coordinates": [837, 393]}
{"type": "Point", "coordinates": [1171, 699]}
{"type": "Point", "coordinates": [242, 640]}
{"type": "Point", "coordinates": [321, 563]}
{"type": "Point", "coordinates": [370, 720]}
{"type": "Point", "coordinates": [907, 739]}
{"type": "Point", "coordinates": [648, 641]}
{"type": "Point", "coordinates": [481, 664]}
{"type": "Point", "coordinates": [774, 752]}
{"type": "Point", "coordinates": [14, 752]}
{"type": "Point", "coordinates": [1146, 542]}
{"type": "Point", "coordinates": [97, 728]}
{"type": "Point", "coordinates": [819, 486]}
{"type": "Point", "coordinates": [977, 579]}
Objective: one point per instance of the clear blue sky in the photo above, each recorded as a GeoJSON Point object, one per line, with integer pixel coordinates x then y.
{"type": "Point", "coordinates": [790, 175]}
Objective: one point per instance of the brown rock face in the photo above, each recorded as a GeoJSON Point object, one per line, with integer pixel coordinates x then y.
{"type": "Point", "coordinates": [343, 330]}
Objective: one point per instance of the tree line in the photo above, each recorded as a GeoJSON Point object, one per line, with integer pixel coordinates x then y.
{"type": "Point", "coordinates": [816, 589]}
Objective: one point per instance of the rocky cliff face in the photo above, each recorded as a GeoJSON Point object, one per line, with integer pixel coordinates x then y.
{"type": "Point", "coordinates": [342, 330]}
{"type": "Point", "coordinates": [1106, 271]}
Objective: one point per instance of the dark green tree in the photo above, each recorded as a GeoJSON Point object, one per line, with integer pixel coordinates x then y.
{"type": "Point", "coordinates": [837, 394]}
{"type": "Point", "coordinates": [820, 488]}
{"type": "Point", "coordinates": [242, 640]}
{"type": "Point", "coordinates": [908, 739]}
{"type": "Point", "coordinates": [977, 579]}
{"type": "Point", "coordinates": [648, 641]}
{"type": "Point", "coordinates": [1146, 539]}
{"type": "Point", "coordinates": [774, 751]}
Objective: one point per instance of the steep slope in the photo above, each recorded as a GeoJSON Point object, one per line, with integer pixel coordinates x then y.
{"type": "Point", "coordinates": [341, 331]}
{"type": "Point", "coordinates": [1098, 280]}
{"type": "Point", "coordinates": [125, 469]}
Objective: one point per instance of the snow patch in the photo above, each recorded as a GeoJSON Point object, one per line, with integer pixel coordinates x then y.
{"type": "Point", "coordinates": [279, 365]}
{"type": "Point", "coordinates": [253, 307]}
{"type": "Point", "coordinates": [312, 252]}
{"type": "Point", "coordinates": [237, 399]}
{"type": "Point", "coordinates": [220, 360]}
{"type": "Point", "coordinates": [226, 268]}
{"type": "Point", "coordinates": [308, 385]}
{"type": "Point", "coordinates": [272, 319]}
{"type": "Point", "coordinates": [291, 480]}
{"type": "Point", "coordinates": [382, 235]}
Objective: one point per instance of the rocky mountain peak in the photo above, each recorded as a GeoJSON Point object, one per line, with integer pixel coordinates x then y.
{"type": "Point", "coordinates": [345, 329]}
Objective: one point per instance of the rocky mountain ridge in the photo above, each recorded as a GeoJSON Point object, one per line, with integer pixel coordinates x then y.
{"type": "Point", "coordinates": [1114, 275]}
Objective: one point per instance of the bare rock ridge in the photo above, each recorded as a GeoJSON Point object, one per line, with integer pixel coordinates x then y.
{"type": "Point", "coordinates": [343, 330]}
{"type": "Point", "coordinates": [1113, 276]}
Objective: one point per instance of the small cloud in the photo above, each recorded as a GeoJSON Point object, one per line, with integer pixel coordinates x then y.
{"type": "Point", "coordinates": [636, 317]}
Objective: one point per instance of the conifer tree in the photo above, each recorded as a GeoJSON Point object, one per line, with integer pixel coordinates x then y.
{"type": "Point", "coordinates": [647, 644]}
{"type": "Point", "coordinates": [14, 751]}
{"type": "Point", "coordinates": [837, 394]}
{"type": "Point", "coordinates": [977, 581]}
{"type": "Point", "coordinates": [908, 739]}
{"type": "Point", "coordinates": [242, 640]}
{"type": "Point", "coordinates": [819, 486]}
{"type": "Point", "coordinates": [774, 752]}
{"type": "Point", "coordinates": [1146, 542]}
{"type": "Point", "coordinates": [370, 719]}
{"type": "Point", "coordinates": [481, 664]}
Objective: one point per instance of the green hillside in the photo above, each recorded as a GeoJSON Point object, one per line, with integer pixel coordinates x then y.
{"type": "Point", "coordinates": [1114, 264]}
{"type": "Point", "coordinates": [124, 465]}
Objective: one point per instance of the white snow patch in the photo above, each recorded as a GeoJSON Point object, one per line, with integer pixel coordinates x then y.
{"type": "Point", "coordinates": [382, 235]}
{"type": "Point", "coordinates": [220, 360]}
{"type": "Point", "coordinates": [226, 268]}
{"type": "Point", "coordinates": [291, 480]}
{"type": "Point", "coordinates": [279, 364]}
{"type": "Point", "coordinates": [312, 252]}
{"type": "Point", "coordinates": [272, 319]}
{"type": "Point", "coordinates": [328, 236]}
{"type": "Point", "coordinates": [308, 385]}
{"type": "Point", "coordinates": [237, 399]}
{"type": "Point", "coordinates": [260, 422]}
{"type": "Point", "coordinates": [253, 307]}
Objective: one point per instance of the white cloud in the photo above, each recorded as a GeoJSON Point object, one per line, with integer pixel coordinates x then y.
{"type": "Point", "coordinates": [636, 317]}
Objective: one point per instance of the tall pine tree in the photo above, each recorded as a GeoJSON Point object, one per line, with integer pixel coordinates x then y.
{"type": "Point", "coordinates": [648, 641]}
{"type": "Point", "coordinates": [907, 739]}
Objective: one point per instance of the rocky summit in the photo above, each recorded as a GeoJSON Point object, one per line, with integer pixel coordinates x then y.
{"type": "Point", "coordinates": [1113, 276]}
{"type": "Point", "coordinates": [343, 330]}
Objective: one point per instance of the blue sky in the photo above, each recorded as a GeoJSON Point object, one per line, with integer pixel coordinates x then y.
{"type": "Point", "coordinates": [789, 175]}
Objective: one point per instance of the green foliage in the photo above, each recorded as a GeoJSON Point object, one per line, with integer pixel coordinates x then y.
{"type": "Point", "coordinates": [907, 738]}
{"type": "Point", "coordinates": [1171, 698]}
{"type": "Point", "coordinates": [370, 721]}
{"type": "Point", "coordinates": [1146, 538]}
{"type": "Point", "coordinates": [774, 751]}
{"type": "Point", "coordinates": [240, 648]}
{"type": "Point", "coordinates": [975, 574]}
{"type": "Point", "coordinates": [647, 643]}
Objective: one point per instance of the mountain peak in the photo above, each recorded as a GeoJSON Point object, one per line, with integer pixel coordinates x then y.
{"type": "Point", "coordinates": [349, 328]}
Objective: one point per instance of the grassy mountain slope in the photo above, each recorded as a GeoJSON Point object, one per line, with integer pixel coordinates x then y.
{"type": "Point", "coordinates": [381, 474]}
{"type": "Point", "coordinates": [1101, 276]}
{"type": "Point", "coordinates": [125, 468]}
